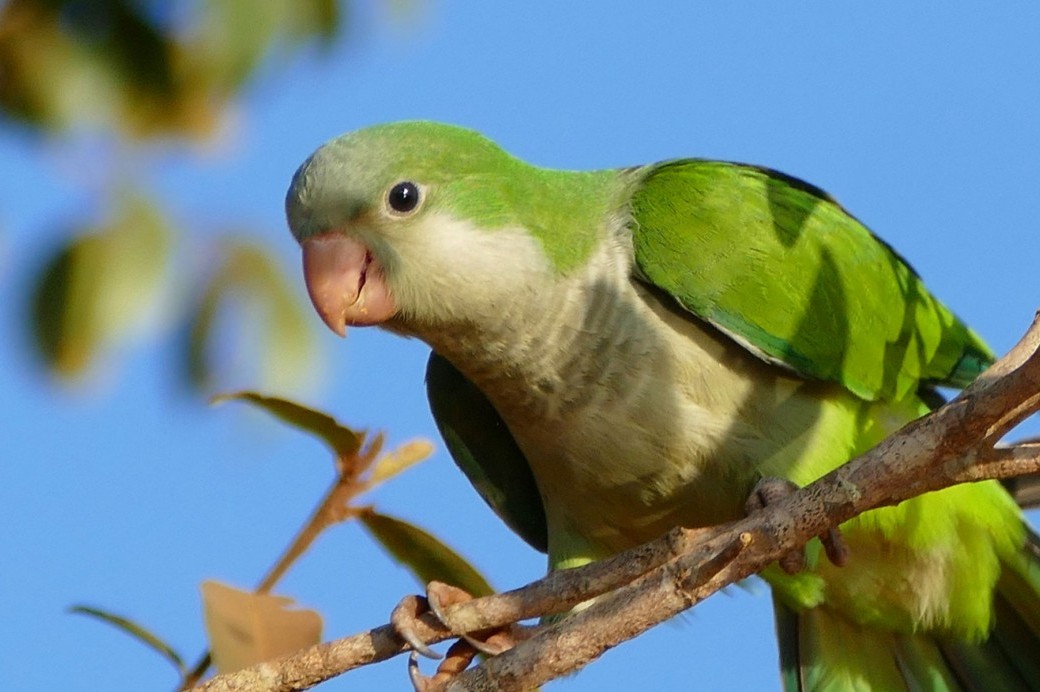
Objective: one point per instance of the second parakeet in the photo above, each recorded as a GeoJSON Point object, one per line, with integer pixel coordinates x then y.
{"type": "Point", "coordinates": [619, 352]}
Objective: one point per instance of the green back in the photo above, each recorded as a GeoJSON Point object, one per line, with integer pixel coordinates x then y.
{"type": "Point", "coordinates": [485, 450]}
{"type": "Point", "coordinates": [777, 264]}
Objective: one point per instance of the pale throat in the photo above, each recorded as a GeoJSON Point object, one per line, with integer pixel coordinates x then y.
{"type": "Point", "coordinates": [541, 352]}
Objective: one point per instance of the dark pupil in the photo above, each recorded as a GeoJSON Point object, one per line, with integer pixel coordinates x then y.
{"type": "Point", "coordinates": [404, 197]}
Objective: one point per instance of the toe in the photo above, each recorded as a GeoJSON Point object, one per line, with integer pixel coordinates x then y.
{"type": "Point", "coordinates": [403, 618]}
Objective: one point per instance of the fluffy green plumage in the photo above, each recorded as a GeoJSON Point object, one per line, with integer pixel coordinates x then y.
{"type": "Point", "coordinates": [618, 352]}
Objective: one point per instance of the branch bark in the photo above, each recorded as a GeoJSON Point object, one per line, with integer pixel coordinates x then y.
{"type": "Point", "coordinates": [954, 444]}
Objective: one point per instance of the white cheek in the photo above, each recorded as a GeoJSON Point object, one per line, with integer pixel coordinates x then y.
{"type": "Point", "coordinates": [448, 269]}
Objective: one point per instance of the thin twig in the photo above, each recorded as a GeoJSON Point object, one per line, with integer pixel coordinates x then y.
{"type": "Point", "coordinates": [330, 510]}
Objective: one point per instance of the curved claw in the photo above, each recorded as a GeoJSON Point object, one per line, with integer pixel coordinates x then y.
{"type": "Point", "coordinates": [420, 683]}
{"type": "Point", "coordinates": [403, 618]}
{"type": "Point", "coordinates": [769, 490]}
{"type": "Point", "coordinates": [459, 656]}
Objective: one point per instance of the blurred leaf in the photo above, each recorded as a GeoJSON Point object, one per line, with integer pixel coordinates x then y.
{"type": "Point", "coordinates": [136, 264]}
{"type": "Point", "coordinates": [427, 557]}
{"type": "Point", "coordinates": [272, 323]}
{"type": "Point", "coordinates": [234, 35]}
{"type": "Point", "coordinates": [342, 440]}
{"type": "Point", "coordinates": [327, 17]}
{"type": "Point", "coordinates": [201, 324]}
{"type": "Point", "coordinates": [48, 314]}
{"type": "Point", "coordinates": [136, 631]}
{"type": "Point", "coordinates": [105, 63]}
{"type": "Point", "coordinates": [101, 287]}
{"type": "Point", "coordinates": [44, 73]}
{"type": "Point", "coordinates": [118, 33]}
{"type": "Point", "coordinates": [401, 459]}
{"type": "Point", "coordinates": [129, 66]}
{"type": "Point", "coordinates": [246, 628]}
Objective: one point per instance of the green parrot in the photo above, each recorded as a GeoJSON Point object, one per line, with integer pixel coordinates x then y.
{"type": "Point", "coordinates": [619, 352]}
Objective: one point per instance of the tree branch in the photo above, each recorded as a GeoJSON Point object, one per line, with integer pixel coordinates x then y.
{"type": "Point", "coordinates": [954, 444]}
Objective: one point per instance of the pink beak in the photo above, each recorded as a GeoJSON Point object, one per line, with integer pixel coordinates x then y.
{"type": "Point", "coordinates": [345, 282]}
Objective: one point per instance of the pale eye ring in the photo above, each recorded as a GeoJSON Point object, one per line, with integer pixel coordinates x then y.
{"type": "Point", "coordinates": [403, 197]}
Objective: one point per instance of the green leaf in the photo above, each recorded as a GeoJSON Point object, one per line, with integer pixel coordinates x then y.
{"type": "Point", "coordinates": [136, 631]}
{"type": "Point", "coordinates": [423, 554]}
{"type": "Point", "coordinates": [236, 35]}
{"type": "Point", "coordinates": [102, 287]}
{"type": "Point", "coordinates": [106, 64]}
{"type": "Point", "coordinates": [197, 336]}
{"type": "Point", "coordinates": [327, 18]}
{"type": "Point", "coordinates": [64, 352]}
{"type": "Point", "coordinates": [113, 64]}
{"type": "Point", "coordinates": [343, 441]}
{"type": "Point", "coordinates": [250, 325]}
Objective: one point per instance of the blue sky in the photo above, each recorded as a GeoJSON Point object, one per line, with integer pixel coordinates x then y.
{"type": "Point", "coordinates": [125, 493]}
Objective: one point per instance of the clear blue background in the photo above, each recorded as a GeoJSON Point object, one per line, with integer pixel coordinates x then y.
{"type": "Point", "coordinates": [125, 493]}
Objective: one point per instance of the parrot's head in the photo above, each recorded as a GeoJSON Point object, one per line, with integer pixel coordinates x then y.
{"type": "Point", "coordinates": [414, 223]}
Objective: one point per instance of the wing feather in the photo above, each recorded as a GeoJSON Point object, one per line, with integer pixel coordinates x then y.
{"type": "Point", "coordinates": [782, 268]}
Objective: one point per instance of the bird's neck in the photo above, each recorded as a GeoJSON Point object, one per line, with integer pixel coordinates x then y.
{"type": "Point", "coordinates": [537, 357]}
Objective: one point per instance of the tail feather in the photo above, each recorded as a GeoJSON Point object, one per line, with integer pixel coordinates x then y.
{"type": "Point", "coordinates": [984, 666]}
{"type": "Point", "coordinates": [921, 664]}
{"type": "Point", "coordinates": [790, 647]}
{"type": "Point", "coordinates": [822, 652]}
{"type": "Point", "coordinates": [1017, 607]}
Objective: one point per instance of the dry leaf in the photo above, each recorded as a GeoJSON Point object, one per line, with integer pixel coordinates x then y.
{"type": "Point", "coordinates": [245, 628]}
{"type": "Point", "coordinates": [402, 458]}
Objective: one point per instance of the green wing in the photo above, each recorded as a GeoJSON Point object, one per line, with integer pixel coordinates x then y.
{"type": "Point", "coordinates": [485, 450]}
{"type": "Point", "coordinates": [779, 266]}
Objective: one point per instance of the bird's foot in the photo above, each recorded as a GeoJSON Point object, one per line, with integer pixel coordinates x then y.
{"type": "Point", "coordinates": [438, 597]}
{"type": "Point", "coordinates": [770, 490]}
{"type": "Point", "coordinates": [489, 642]}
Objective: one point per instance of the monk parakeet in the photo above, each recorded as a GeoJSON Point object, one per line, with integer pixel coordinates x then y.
{"type": "Point", "coordinates": [619, 352]}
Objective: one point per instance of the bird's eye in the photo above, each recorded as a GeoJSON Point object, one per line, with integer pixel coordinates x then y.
{"type": "Point", "coordinates": [403, 197]}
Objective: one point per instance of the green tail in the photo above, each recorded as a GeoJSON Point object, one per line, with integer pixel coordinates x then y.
{"type": "Point", "coordinates": [821, 651]}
